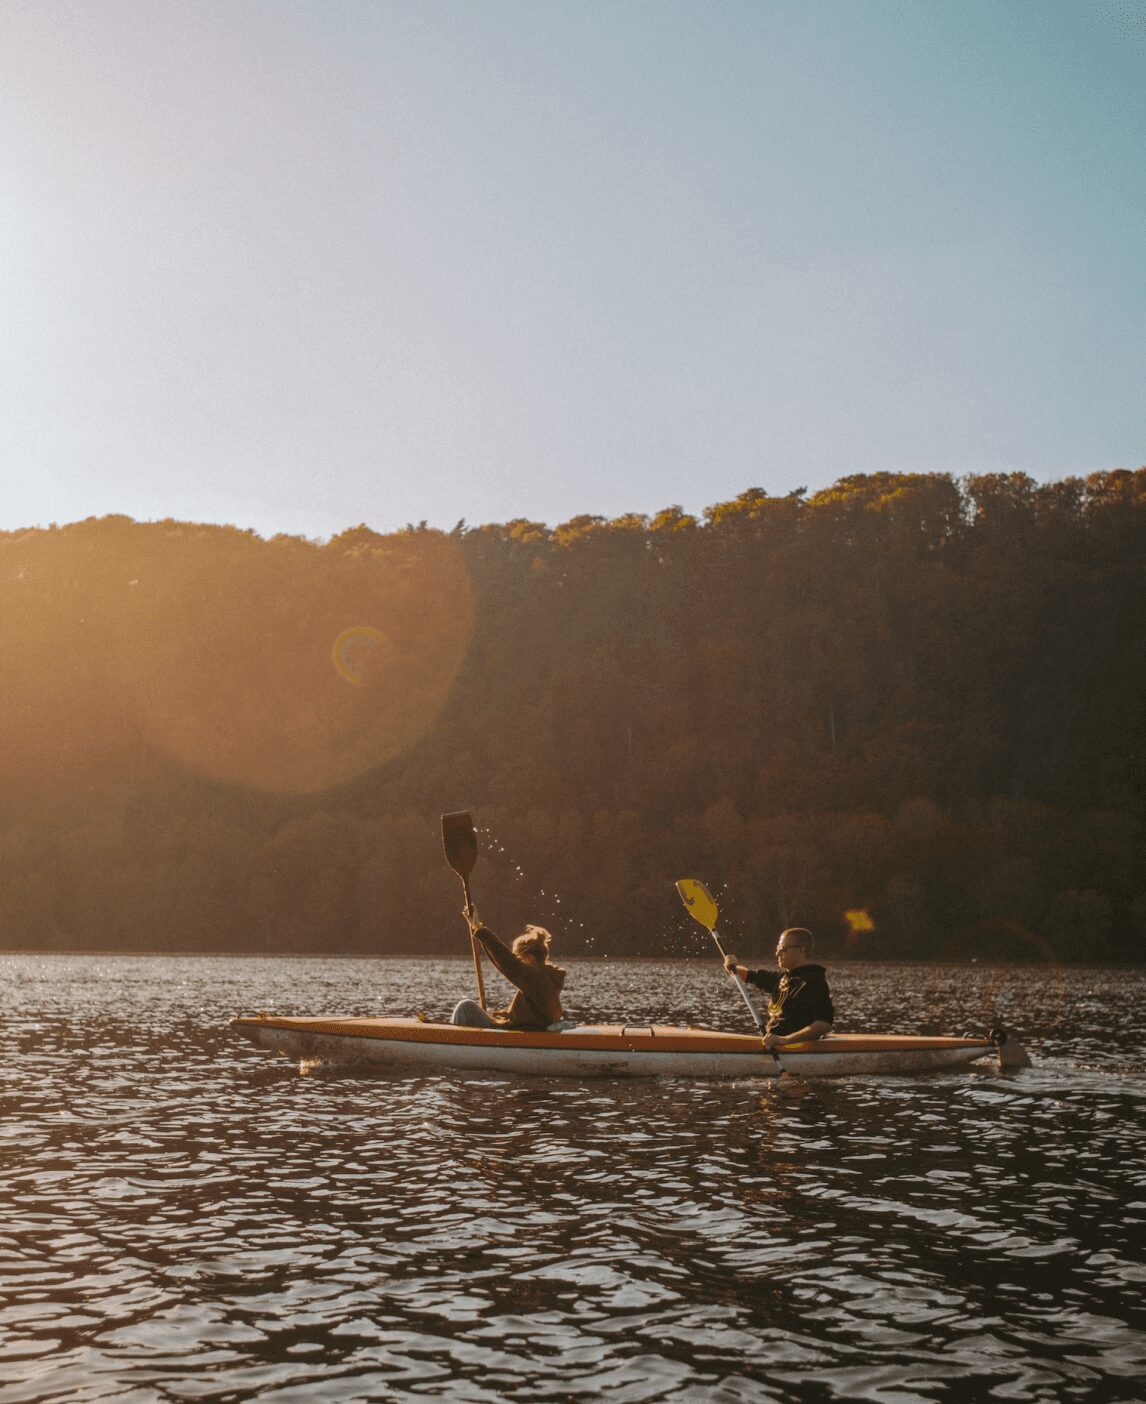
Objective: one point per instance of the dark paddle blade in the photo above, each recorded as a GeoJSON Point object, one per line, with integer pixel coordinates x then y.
{"type": "Point", "coordinates": [460, 842]}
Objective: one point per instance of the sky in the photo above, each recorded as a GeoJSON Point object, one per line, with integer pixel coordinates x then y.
{"type": "Point", "coordinates": [296, 265]}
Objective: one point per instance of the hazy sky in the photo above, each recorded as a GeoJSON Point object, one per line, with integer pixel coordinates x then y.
{"type": "Point", "coordinates": [299, 264]}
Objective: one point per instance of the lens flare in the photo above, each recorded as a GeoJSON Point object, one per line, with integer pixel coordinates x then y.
{"type": "Point", "coordinates": [300, 673]}
{"type": "Point", "coordinates": [358, 651]}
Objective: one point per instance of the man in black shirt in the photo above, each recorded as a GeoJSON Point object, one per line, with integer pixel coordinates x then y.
{"type": "Point", "coordinates": [799, 1005]}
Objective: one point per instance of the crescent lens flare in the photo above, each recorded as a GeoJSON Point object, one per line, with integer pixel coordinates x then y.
{"type": "Point", "coordinates": [352, 650]}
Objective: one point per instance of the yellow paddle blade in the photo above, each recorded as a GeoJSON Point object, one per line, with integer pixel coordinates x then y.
{"type": "Point", "coordinates": [698, 900]}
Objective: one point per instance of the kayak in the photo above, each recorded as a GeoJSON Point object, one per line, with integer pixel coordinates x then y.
{"type": "Point", "coordinates": [606, 1050]}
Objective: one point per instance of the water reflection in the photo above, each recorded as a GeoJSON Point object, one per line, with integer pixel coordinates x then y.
{"type": "Point", "coordinates": [187, 1218]}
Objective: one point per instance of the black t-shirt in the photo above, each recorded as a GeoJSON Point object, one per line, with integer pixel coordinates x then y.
{"type": "Point", "coordinates": [796, 998]}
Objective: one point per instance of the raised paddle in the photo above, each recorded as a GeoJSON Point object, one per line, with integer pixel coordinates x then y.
{"type": "Point", "coordinates": [460, 843]}
{"type": "Point", "coordinates": [699, 904]}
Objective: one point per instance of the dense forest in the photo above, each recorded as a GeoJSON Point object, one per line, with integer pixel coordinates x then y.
{"type": "Point", "coordinates": [907, 712]}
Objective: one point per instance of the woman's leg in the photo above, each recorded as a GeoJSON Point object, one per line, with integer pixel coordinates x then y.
{"type": "Point", "coordinates": [470, 1013]}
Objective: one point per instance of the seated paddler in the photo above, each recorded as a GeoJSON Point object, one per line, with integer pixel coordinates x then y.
{"type": "Point", "coordinates": [537, 1003]}
{"type": "Point", "coordinates": [799, 1005]}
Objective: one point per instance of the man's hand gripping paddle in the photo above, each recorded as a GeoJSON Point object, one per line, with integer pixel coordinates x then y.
{"type": "Point", "coordinates": [461, 845]}
{"type": "Point", "coordinates": [699, 904]}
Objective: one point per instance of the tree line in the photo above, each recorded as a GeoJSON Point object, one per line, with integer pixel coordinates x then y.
{"type": "Point", "coordinates": [906, 712]}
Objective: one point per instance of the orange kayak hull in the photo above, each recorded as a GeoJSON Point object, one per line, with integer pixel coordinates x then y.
{"type": "Point", "coordinates": [597, 1050]}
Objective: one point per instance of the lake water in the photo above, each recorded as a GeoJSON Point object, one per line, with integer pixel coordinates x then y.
{"type": "Point", "coordinates": [188, 1218]}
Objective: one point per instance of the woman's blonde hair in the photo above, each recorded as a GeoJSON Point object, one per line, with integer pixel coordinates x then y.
{"type": "Point", "coordinates": [534, 940]}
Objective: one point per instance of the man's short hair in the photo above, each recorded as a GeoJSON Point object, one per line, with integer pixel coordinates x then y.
{"type": "Point", "coordinates": [800, 936]}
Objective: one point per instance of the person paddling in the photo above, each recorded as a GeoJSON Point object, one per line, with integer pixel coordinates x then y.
{"type": "Point", "coordinates": [799, 1005]}
{"type": "Point", "coordinates": [537, 1003]}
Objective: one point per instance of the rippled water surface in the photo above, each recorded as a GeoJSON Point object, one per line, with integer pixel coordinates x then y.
{"type": "Point", "coordinates": [187, 1218]}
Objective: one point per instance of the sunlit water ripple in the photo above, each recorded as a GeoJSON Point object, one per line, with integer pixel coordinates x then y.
{"type": "Point", "coordinates": [187, 1218]}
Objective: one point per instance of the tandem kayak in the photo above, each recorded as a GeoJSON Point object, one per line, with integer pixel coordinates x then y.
{"type": "Point", "coordinates": [607, 1050]}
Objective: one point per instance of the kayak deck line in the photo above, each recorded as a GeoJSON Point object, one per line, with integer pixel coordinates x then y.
{"type": "Point", "coordinates": [668, 1038]}
{"type": "Point", "coordinates": [596, 1050]}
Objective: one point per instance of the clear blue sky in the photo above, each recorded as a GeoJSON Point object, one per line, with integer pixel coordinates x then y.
{"type": "Point", "coordinates": [299, 264]}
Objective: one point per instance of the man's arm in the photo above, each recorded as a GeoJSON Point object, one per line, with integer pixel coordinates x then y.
{"type": "Point", "coordinates": [765, 980]}
{"type": "Point", "coordinates": [816, 1029]}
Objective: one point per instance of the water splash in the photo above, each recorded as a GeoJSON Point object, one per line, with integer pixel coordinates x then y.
{"type": "Point", "coordinates": [545, 902]}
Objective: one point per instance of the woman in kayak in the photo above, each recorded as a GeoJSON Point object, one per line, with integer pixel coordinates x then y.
{"type": "Point", "coordinates": [799, 1005]}
{"type": "Point", "coordinates": [537, 1003]}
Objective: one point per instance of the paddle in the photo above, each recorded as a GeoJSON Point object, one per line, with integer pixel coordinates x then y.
{"type": "Point", "coordinates": [699, 904]}
{"type": "Point", "coordinates": [460, 843]}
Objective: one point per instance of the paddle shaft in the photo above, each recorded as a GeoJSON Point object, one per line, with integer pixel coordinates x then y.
{"type": "Point", "coordinates": [474, 941]}
{"type": "Point", "coordinates": [459, 839]}
{"type": "Point", "coordinates": [740, 985]}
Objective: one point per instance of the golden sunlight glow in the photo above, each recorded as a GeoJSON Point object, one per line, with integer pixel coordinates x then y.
{"type": "Point", "coordinates": [859, 923]}
{"type": "Point", "coordinates": [248, 695]}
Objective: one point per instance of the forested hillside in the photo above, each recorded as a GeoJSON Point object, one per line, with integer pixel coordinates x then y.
{"type": "Point", "coordinates": [907, 712]}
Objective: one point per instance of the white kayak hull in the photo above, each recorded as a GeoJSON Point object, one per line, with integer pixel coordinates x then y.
{"type": "Point", "coordinates": [597, 1050]}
